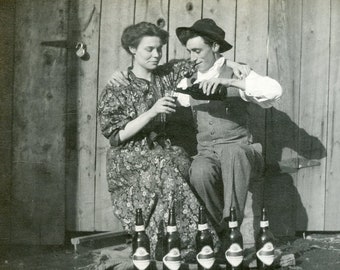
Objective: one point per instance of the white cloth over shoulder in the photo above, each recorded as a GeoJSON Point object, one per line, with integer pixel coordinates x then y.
{"type": "Point", "coordinates": [261, 90]}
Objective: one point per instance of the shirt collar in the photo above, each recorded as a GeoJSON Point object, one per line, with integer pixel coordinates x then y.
{"type": "Point", "coordinates": [214, 71]}
{"type": "Point", "coordinates": [132, 76]}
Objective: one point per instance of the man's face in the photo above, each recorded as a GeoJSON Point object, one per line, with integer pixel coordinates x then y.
{"type": "Point", "coordinates": [201, 52]}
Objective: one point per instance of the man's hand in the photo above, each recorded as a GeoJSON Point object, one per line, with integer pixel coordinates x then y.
{"type": "Point", "coordinates": [209, 87]}
{"type": "Point", "coordinates": [119, 78]}
{"type": "Point", "coordinates": [241, 71]}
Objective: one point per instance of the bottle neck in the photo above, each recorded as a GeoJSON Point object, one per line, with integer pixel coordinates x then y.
{"type": "Point", "coordinates": [139, 228]}
{"type": "Point", "coordinates": [233, 224]}
{"type": "Point", "coordinates": [171, 228]}
{"type": "Point", "coordinates": [202, 227]}
{"type": "Point", "coordinates": [139, 225]}
{"type": "Point", "coordinates": [264, 224]}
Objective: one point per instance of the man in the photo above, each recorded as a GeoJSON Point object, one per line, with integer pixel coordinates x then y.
{"type": "Point", "coordinates": [227, 159]}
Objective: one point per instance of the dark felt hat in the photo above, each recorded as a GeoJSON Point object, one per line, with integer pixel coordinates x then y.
{"type": "Point", "coordinates": [206, 27]}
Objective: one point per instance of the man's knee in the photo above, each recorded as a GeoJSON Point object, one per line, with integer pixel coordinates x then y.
{"type": "Point", "coordinates": [204, 171]}
{"type": "Point", "coordinates": [237, 150]}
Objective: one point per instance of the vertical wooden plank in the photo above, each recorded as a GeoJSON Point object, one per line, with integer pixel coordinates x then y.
{"type": "Point", "coordinates": [284, 66]}
{"type": "Point", "coordinates": [181, 13]}
{"type": "Point", "coordinates": [251, 48]}
{"type": "Point", "coordinates": [81, 134]}
{"type": "Point", "coordinates": [111, 57]}
{"type": "Point", "coordinates": [332, 212]}
{"type": "Point", "coordinates": [282, 121]}
{"type": "Point", "coordinates": [155, 12]}
{"type": "Point", "coordinates": [313, 106]}
{"type": "Point", "coordinates": [224, 14]}
{"type": "Point", "coordinates": [7, 18]}
{"type": "Point", "coordinates": [38, 188]}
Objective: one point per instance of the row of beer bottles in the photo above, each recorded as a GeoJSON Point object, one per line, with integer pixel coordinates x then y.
{"type": "Point", "coordinates": [233, 244]}
{"type": "Point", "coordinates": [204, 244]}
{"type": "Point", "coordinates": [171, 245]}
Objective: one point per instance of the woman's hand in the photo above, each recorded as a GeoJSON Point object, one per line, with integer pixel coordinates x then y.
{"type": "Point", "coordinates": [119, 78]}
{"type": "Point", "coordinates": [163, 105]}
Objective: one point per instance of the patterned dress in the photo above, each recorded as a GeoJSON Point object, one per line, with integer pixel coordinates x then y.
{"type": "Point", "coordinates": [147, 171]}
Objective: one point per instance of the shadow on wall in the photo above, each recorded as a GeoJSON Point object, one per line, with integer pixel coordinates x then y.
{"type": "Point", "coordinates": [285, 209]}
{"type": "Point", "coordinates": [280, 196]}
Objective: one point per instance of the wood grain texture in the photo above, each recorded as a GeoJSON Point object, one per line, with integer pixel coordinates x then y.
{"type": "Point", "coordinates": [7, 19]}
{"type": "Point", "coordinates": [156, 12]}
{"type": "Point", "coordinates": [112, 57]}
{"type": "Point", "coordinates": [181, 13]}
{"type": "Point", "coordinates": [38, 187]}
{"type": "Point", "coordinates": [224, 14]}
{"type": "Point", "coordinates": [251, 48]}
{"type": "Point", "coordinates": [81, 134]}
{"type": "Point", "coordinates": [332, 211]}
{"type": "Point", "coordinates": [313, 107]}
{"type": "Point", "coordinates": [282, 121]}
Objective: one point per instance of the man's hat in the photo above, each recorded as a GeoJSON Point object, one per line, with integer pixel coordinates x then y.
{"type": "Point", "coordinates": [206, 27]}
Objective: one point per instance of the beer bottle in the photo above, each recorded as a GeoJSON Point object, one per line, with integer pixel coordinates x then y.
{"type": "Point", "coordinates": [172, 258]}
{"type": "Point", "coordinates": [264, 244]}
{"type": "Point", "coordinates": [204, 243]}
{"type": "Point", "coordinates": [234, 252]}
{"type": "Point", "coordinates": [197, 93]}
{"type": "Point", "coordinates": [140, 244]}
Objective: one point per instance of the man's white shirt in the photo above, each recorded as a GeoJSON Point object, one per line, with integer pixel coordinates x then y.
{"type": "Point", "coordinates": [262, 90]}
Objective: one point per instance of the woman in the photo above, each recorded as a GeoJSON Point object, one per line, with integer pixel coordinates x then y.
{"type": "Point", "coordinates": [143, 169]}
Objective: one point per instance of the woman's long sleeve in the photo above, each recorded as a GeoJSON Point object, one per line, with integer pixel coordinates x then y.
{"type": "Point", "coordinates": [112, 114]}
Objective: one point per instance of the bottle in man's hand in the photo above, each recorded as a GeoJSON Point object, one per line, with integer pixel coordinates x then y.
{"type": "Point", "coordinates": [197, 93]}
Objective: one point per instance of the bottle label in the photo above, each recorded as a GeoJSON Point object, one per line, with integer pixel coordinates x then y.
{"type": "Point", "coordinates": [234, 255]}
{"type": "Point", "coordinates": [171, 229]}
{"type": "Point", "coordinates": [266, 254]}
{"type": "Point", "coordinates": [141, 258]}
{"type": "Point", "coordinates": [206, 257]}
{"type": "Point", "coordinates": [233, 224]}
{"type": "Point", "coordinates": [264, 223]}
{"type": "Point", "coordinates": [139, 228]}
{"type": "Point", "coordinates": [172, 260]}
{"type": "Point", "coordinates": [202, 227]}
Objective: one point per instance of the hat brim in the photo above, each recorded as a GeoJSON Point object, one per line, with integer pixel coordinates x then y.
{"type": "Point", "coordinates": [224, 45]}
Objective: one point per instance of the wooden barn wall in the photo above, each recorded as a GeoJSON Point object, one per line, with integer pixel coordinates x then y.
{"type": "Point", "coordinates": [53, 156]}
{"type": "Point", "coordinates": [39, 97]}
{"type": "Point", "coordinates": [332, 211]}
{"type": "Point", "coordinates": [282, 130]}
{"type": "Point", "coordinates": [7, 20]}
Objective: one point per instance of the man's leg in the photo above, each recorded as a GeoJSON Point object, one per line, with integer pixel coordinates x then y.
{"type": "Point", "coordinates": [239, 163]}
{"type": "Point", "coordinates": [205, 177]}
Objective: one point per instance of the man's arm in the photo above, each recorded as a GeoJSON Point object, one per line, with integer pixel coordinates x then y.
{"type": "Point", "coordinates": [255, 88]}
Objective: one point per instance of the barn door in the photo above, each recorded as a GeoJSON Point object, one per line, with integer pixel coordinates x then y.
{"type": "Point", "coordinates": [38, 186]}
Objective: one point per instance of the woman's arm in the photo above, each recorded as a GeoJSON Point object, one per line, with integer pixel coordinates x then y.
{"type": "Point", "coordinates": [119, 122]}
{"type": "Point", "coordinates": [163, 105]}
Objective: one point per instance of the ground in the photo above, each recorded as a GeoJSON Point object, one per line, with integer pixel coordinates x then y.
{"type": "Point", "coordinates": [313, 252]}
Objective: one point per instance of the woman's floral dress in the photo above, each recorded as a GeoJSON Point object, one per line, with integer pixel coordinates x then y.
{"type": "Point", "coordinates": [147, 171]}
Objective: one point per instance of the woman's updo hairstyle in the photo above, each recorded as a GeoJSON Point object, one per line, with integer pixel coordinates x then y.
{"type": "Point", "coordinates": [133, 34]}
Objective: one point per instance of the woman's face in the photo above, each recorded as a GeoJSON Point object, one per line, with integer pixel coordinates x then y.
{"type": "Point", "coordinates": [148, 52]}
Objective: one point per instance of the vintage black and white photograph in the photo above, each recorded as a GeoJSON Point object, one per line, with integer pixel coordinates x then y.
{"type": "Point", "coordinates": [170, 134]}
